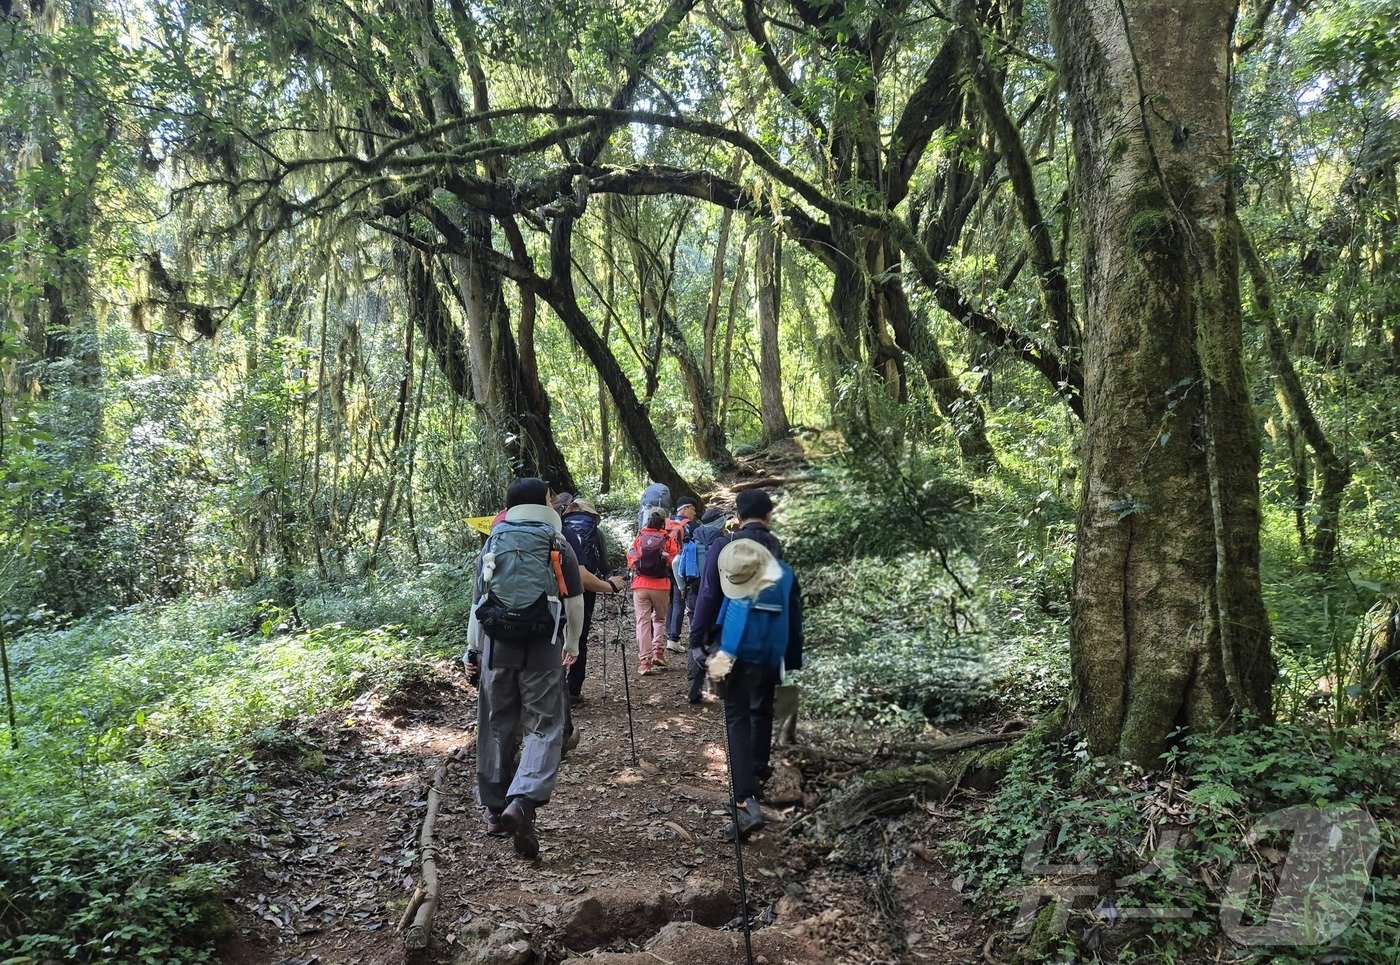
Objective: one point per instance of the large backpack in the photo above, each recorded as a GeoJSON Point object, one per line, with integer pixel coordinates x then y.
{"type": "Point", "coordinates": [581, 530]}
{"type": "Point", "coordinates": [651, 556]}
{"type": "Point", "coordinates": [756, 628]}
{"type": "Point", "coordinates": [697, 551]}
{"type": "Point", "coordinates": [522, 601]}
{"type": "Point", "coordinates": [657, 496]}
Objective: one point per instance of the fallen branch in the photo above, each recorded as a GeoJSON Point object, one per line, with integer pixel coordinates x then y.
{"type": "Point", "coordinates": [833, 754]}
{"type": "Point", "coordinates": [950, 745]}
{"type": "Point", "coordinates": [739, 487]}
{"type": "Point", "coordinates": [885, 794]}
{"type": "Point", "coordinates": [423, 904]}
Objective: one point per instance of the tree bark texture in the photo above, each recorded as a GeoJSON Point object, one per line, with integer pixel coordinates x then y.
{"type": "Point", "coordinates": [770, 301]}
{"type": "Point", "coordinates": [1168, 625]}
{"type": "Point", "coordinates": [503, 394]}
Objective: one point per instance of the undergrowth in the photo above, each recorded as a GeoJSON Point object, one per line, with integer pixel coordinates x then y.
{"type": "Point", "coordinates": [1172, 865]}
{"type": "Point", "coordinates": [120, 814]}
{"type": "Point", "coordinates": [929, 602]}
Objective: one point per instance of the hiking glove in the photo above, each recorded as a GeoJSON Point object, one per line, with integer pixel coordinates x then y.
{"type": "Point", "coordinates": [472, 662]}
{"type": "Point", "coordinates": [720, 665]}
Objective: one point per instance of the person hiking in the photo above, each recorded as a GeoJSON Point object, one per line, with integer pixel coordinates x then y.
{"type": "Point", "coordinates": [694, 558]}
{"type": "Point", "coordinates": [753, 509]}
{"type": "Point", "coordinates": [753, 512]}
{"type": "Point", "coordinates": [760, 635]}
{"type": "Point", "coordinates": [650, 558]}
{"type": "Point", "coordinates": [581, 529]}
{"type": "Point", "coordinates": [593, 584]}
{"type": "Point", "coordinates": [681, 526]}
{"type": "Point", "coordinates": [526, 615]}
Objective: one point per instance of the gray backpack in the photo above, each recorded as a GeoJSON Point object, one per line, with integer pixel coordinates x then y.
{"type": "Point", "coordinates": [657, 496]}
{"type": "Point", "coordinates": [520, 602]}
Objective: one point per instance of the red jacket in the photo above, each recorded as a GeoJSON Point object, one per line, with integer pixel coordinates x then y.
{"type": "Point", "coordinates": [670, 550]}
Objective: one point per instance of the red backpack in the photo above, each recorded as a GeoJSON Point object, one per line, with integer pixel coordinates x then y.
{"type": "Point", "coordinates": [651, 556]}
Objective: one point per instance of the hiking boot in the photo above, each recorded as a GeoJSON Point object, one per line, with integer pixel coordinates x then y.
{"type": "Point", "coordinates": [577, 699]}
{"type": "Point", "coordinates": [571, 740]}
{"type": "Point", "coordinates": [644, 670]}
{"type": "Point", "coordinates": [749, 817]}
{"type": "Point", "coordinates": [658, 660]}
{"type": "Point", "coordinates": [494, 827]}
{"type": "Point", "coordinates": [519, 819]}
{"type": "Point", "coordinates": [675, 646]}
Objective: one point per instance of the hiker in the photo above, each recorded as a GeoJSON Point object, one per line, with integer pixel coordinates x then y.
{"type": "Point", "coordinates": [753, 519]}
{"type": "Point", "coordinates": [654, 497]}
{"type": "Point", "coordinates": [695, 557]}
{"type": "Point", "coordinates": [650, 559]}
{"type": "Point", "coordinates": [593, 584]}
{"type": "Point", "coordinates": [584, 535]}
{"type": "Point", "coordinates": [760, 635]}
{"type": "Point", "coordinates": [527, 612]}
{"type": "Point", "coordinates": [681, 526]}
{"type": "Point", "coordinates": [754, 511]}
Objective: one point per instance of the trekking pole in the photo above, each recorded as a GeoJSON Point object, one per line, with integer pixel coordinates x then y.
{"type": "Point", "coordinates": [626, 683]}
{"type": "Point", "coordinates": [605, 653]}
{"type": "Point", "coordinates": [738, 850]}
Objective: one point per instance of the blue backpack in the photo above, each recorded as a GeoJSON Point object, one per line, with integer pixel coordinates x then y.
{"type": "Point", "coordinates": [697, 550]}
{"type": "Point", "coordinates": [756, 628]}
{"type": "Point", "coordinates": [580, 530]}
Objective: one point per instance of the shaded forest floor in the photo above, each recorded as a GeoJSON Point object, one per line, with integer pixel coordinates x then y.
{"type": "Point", "coordinates": [632, 867]}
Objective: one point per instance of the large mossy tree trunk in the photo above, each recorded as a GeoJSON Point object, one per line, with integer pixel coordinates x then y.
{"type": "Point", "coordinates": [1169, 627]}
{"type": "Point", "coordinates": [770, 302]}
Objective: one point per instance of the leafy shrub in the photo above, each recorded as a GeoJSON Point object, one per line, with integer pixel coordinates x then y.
{"type": "Point", "coordinates": [1170, 839]}
{"type": "Point", "coordinates": [120, 813]}
{"type": "Point", "coordinates": [861, 509]}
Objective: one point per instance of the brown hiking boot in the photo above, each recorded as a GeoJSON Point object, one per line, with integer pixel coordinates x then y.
{"type": "Point", "coordinates": [519, 819]}
{"type": "Point", "coordinates": [494, 827]}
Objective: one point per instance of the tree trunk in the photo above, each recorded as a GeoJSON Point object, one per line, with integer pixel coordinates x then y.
{"type": "Point", "coordinates": [503, 395]}
{"type": "Point", "coordinates": [560, 293]}
{"type": "Point", "coordinates": [727, 352]}
{"type": "Point", "coordinates": [770, 300]}
{"type": "Point", "coordinates": [706, 432]}
{"type": "Point", "coordinates": [726, 226]}
{"type": "Point", "coordinates": [396, 446]}
{"type": "Point", "coordinates": [1169, 627]}
{"type": "Point", "coordinates": [1334, 470]}
{"type": "Point", "coordinates": [957, 404]}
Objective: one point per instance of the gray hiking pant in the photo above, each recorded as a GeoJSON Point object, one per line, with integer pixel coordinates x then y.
{"type": "Point", "coordinates": [519, 734]}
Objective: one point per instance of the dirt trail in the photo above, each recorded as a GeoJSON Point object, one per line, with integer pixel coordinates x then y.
{"type": "Point", "coordinates": [627, 851]}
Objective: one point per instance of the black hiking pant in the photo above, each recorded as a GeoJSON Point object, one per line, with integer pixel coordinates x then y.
{"type": "Point", "coordinates": [682, 605]}
{"type": "Point", "coordinates": [580, 666]}
{"type": "Point", "coordinates": [748, 725]}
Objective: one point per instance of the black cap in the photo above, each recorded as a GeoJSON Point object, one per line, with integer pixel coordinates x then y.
{"type": "Point", "coordinates": [753, 504]}
{"type": "Point", "coordinates": [527, 492]}
{"type": "Point", "coordinates": [688, 501]}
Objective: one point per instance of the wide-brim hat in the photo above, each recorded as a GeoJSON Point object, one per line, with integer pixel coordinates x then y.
{"type": "Point", "coordinates": [584, 506]}
{"type": "Point", "coordinates": [746, 569]}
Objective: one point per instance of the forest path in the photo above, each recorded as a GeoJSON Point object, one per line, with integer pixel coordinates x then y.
{"type": "Point", "coordinates": [625, 849]}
